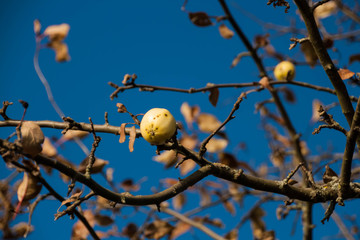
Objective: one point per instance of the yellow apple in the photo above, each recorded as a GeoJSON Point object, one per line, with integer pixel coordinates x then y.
{"type": "Point", "coordinates": [157, 126]}
{"type": "Point", "coordinates": [284, 71]}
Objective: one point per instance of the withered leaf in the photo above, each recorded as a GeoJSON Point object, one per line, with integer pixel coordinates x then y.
{"type": "Point", "coordinates": [121, 108]}
{"type": "Point", "coordinates": [257, 224]}
{"type": "Point", "coordinates": [216, 145]}
{"type": "Point", "coordinates": [97, 167]}
{"type": "Point", "coordinates": [103, 220]}
{"type": "Point", "coordinates": [189, 142]}
{"type": "Point", "coordinates": [325, 10]}
{"type": "Point", "coordinates": [289, 94]}
{"type": "Point", "coordinates": [207, 122]}
{"type": "Point", "coordinates": [37, 26]}
{"type": "Point", "coordinates": [187, 166]}
{"type": "Point", "coordinates": [225, 32]}
{"type": "Point", "coordinates": [200, 19]}
{"type": "Point", "coordinates": [265, 82]}
{"type": "Point", "coordinates": [189, 113]}
{"type": "Point", "coordinates": [79, 231]}
{"type": "Point", "coordinates": [57, 32]}
{"type": "Point", "coordinates": [71, 134]}
{"type": "Point", "coordinates": [315, 110]}
{"type": "Point", "coordinates": [238, 57]}
{"type": "Point", "coordinates": [157, 229]}
{"type": "Point", "coordinates": [29, 188]}
{"type": "Point", "coordinates": [232, 235]}
{"type": "Point", "coordinates": [72, 198]}
{"type": "Point", "coordinates": [129, 230]}
{"type": "Point", "coordinates": [178, 201]}
{"type": "Point", "coordinates": [345, 73]}
{"type": "Point", "coordinates": [31, 138]}
{"type": "Point", "coordinates": [214, 95]}
{"type": "Point", "coordinates": [128, 185]}
{"type": "Point", "coordinates": [204, 196]}
{"type": "Point", "coordinates": [228, 159]}
{"type": "Point", "coordinates": [21, 230]}
{"type": "Point", "coordinates": [229, 206]}
{"type": "Point", "coordinates": [329, 175]}
{"type": "Point", "coordinates": [132, 138]}
{"type": "Point", "coordinates": [48, 149]}
{"type": "Point", "coordinates": [309, 53]}
{"type": "Point", "coordinates": [353, 58]}
{"type": "Point", "coordinates": [169, 158]}
{"type": "Point", "coordinates": [61, 51]}
{"type": "Point", "coordinates": [180, 229]}
{"type": "Point", "coordinates": [122, 133]}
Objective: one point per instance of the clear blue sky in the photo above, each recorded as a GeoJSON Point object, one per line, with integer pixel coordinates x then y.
{"type": "Point", "coordinates": [157, 41]}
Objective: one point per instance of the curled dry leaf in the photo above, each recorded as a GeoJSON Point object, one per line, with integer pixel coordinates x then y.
{"type": "Point", "coordinates": [169, 158]}
{"type": "Point", "coordinates": [178, 201]}
{"type": "Point", "coordinates": [315, 110]}
{"type": "Point", "coordinates": [126, 79]}
{"type": "Point", "coordinates": [228, 159]}
{"type": "Point", "coordinates": [29, 188]}
{"type": "Point", "coordinates": [232, 235]}
{"type": "Point", "coordinates": [109, 174]}
{"type": "Point", "coordinates": [48, 149]}
{"type": "Point", "coordinates": [31, 138]}
{"type": "Point", "coordinates": [189, 113]}
{"type": "Point", "coordinates": [129, 186]}
{"type": "Point", "coordinates": [103, 220]}
{"type": "Point", "coordinates": [132, 137]}
{"type": "Point", "coordinates": [157, 229]}
{"type": "Point", "coordinates": [325, 10]}
{"type": "Point", "coordinates": [129, 230]}
{"type": "Point", "coordinates": [289, 94]}
{"type": "Point", "coordinates": [207, 122]}
{"type": "Point", "coordinates": [257, 224]}
{"type": "Point", "coordinates": [214, 94]}
{"type": "Point", "coordinates": [309, 53]}
{"type": "Point", "coordinates": [353, 58]}
{"type": "Point", "coordinates": [57, 32]}
{"type": "Point", "coordinates": [329, 175]}
{"type": "Point", "coordinates": [200, 19]}
{"type": "Point", "coordinates": [121, 108]}
{"type": "Point", "coordinates": [71, 134]}
{"type": "Point", "coordinates": [97, 167]}
{"type": "Point", "coordinates": [265, 82]}
{"type": "Point", "coordinates": [71, 199]}
{"type": "Point", "coordinates": [187, 166]}
{"type": "Point", "coordinates": [229, 206]}
{"type": "Point", "coordinates": [21, 230]}
{"type": "Point", "coordinates": [345, 73]}
{"type": "Point", "coordinates": [37, 26]}
{"type": "Point", "coordinates": [216, 145]}
{"type": "Point", "coordinates": [122, 133]}
{"type": "Point", "coordinates": [79, 231]}
{"type": "Point", "coordinates": [180, 229]}
{"type": "Point", "coordinates": [189, 142]}
{"type": "Point", "coordinates": [225, 32]}
{"type": "Point", "coordinates": [61, 51]}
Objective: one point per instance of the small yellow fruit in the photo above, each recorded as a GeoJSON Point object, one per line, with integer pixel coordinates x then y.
{"type": "Point", "coordinates": [284, 71]}
{"type": "Point", "coordinates": [157, 126]}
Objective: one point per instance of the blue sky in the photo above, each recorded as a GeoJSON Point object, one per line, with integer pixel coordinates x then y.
{"type": "Point", "coordinates": [157, 41]}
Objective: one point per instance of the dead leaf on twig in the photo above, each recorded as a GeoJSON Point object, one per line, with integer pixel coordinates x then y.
{"type": "Point", "coordinates": [200, 19]}
{"type": "Point", "coordinates": [225, 32]}
{"type": "Point", "coordinates": [132, 138]}
{"type": "Point", "coordinates": [345, 73]}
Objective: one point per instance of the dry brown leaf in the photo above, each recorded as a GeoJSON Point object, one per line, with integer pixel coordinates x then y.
{"type": "Point", "coordinates": [257, 224]}
{"type": "Point", "coordinates": [129, 230]}
{"type": "Point", "coordinates": [265, 82]}
{"type": "Point", "coordinates": [97, 167]}
{"type": "Point", "coordinates": [189, 113]}
{"type": "Point", "coordinates": [229, 206]}
{"type": "Point", "coordinates": [48, 149]}
{"type": "Point", "coordinates": [205, 197]}
{"type": "Point", "coordinates": [132, 137]}
{"type": "Point", "coordinates": [121, 108]}
{"type": "Point", "coordinates": [37, 26]}
{"type": "Point", "coordinates": [345, 73]}
{"type": "Point", "coordinates": [122, 133]}
{"type": "Point", "coordinates": [353, 58]}
{"type": "Point", "coordinates": [109, 174]}
{"type": "Point", "coordinates": [103, 220]}
{"type": "Point", "coordinates": [214, 94]}
{"type": "Point", "coordinates": [309, 53]}
{"type": "Point", "coordinates": [29, 188]}
{"type": "Point", "coordinates": [61, 51]}
{"type": "Point", "coordinates": [79, 231]}
{"type": "Point", "coordinates": [72, 198]}
{"type": "Point", "coordinates": [232, 235]}
{"type": "Point", "coordinates": [31, 138]}
{"type": "Point", "coordinates": [71, 134]}
{"type": "Point", "coordinates": [169, 158]}
{"type": "Point", "coordinates": [289, 94]}
{"type": "Point", "coordinates": [278, 158]}
{"type": "Point", "coordinates": [57, 32]}
{"type": "Point", "coordinates": [21, 230]}
{"type": "Point", "coordinates": [157, 229]}
{"type": "Point", "coordinates": [129, 186]}
{"type": "Point", "coordinates": [228, 159]}
{"type": "Point", "coordinates": [187, 166]}
{"type": "Point", "coordinates": [178, 201]}
{"type": "Point", "coordinates": [225, 32]}
{"type": "Point", "coordinates": [315, 110]}
{"type": "Point", "coordinates": [180, 229]}
{"type": "Point", "coordinates": [207, 122]}
{"type": "Point", "coordinates": [325, 10]}
{"type": "Point", "coordinates": [200, 19]}
{"type": "Point", "coordinates": [189, 142]}
{"type": "Point", "coordinates": [170, 181]}
{"type": "Point", "coordinates": [216, 145]}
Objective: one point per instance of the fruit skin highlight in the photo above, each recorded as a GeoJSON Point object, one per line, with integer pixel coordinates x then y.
{"type": "Point", "coordinates": [157, 126]}
{"type": "Point", "coordinates": [284, 71]}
